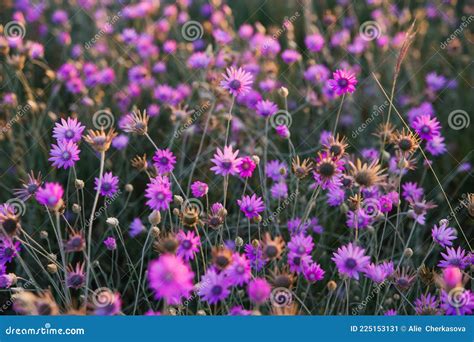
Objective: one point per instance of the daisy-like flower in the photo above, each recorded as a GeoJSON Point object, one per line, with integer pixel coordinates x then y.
{"type": "Point", "coordinates": [226, 162]}
{"type": "Point", "coordinates": [214, 287]}
{"type": "Point", "coordinates": [328, 171]}
{"type": "Point", "coordinates": [239, 311]}
{"type": "Point", "coordinates": [109, 184]}
{"type": "Point", "coordinates": [266, 108]}
{"type": "Point", "coordinates": [136, 227]}
{"type": "Point", "coordinates": [342, 82]}
{"type": "Point", "coordinates": [443, 235]}
{"type": "Point", "coordinates": [199, 189]}
{"type": "Point", "coordinates": [279, 190]}
{"type": "Point", "coordinates": [76, 241]}
{"type": "Point", "coordinates": [189, 244]}
{"type": "Point", "coordinates": [69, 130]}
{"type": "Point", "coordinates": [378, 273]}
{"type": "Point", "coordinates": [297, 262]}
{"type": "Point", "coordinates": [239, 271]}
{"type": "Point", "coordinates": [9, 220]}
{"type": "Point", "coordinates": [246, 167]}
{"type": "Point", "coordinates": [313, 272]}
{"type": "Point", "coordinates": [426, 127]}
{"type": "Point", "coordinates": [350, 260]}
{"type": "Point", "coordinates": [29, 187]}
{"type": "Point", "coordinates": [170, 278]}
{"type": "Point", "coordinates": [255, 255]}
{"type": "Point", "coordinates": [276, 170]}
{"type": "Point", "coordinates": [259, 290]}
{"type": "Point", "coordinates": [251, 206]}
{"type": "Point", "coordinates": [412, 192]}
{"type": "Point", "coordinates": [99, 140]}
{"type": "Point", "coordinates": [75, 277]}
{"type": "Point", "coordinates": [164, 161]}
{"type": "Point", "coordinates": [301, 244]}
{"type": "Point", "coordinates": [454, 257]}
{"type": "Point", "coordinates": [50, 195]}
{"type": "Point", "coordinates": [8, 250]}
{"type": "Point", "coordinates": [159, 193]}
{"type": "Point", "coordinates": [458, 301]}
{"type": "Point", "coordinates": [237, 81]}
{"type": "Point", "coordinates": [367, 175]}
{"type": "Point", "coordinates": [64, 154]}
{"type": "Point", "coordinates": [427, 305]}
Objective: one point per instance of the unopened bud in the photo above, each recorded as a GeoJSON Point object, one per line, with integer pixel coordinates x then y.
{"type": "Point", "coordinates": [79, 184]}
{"type": "Point", "coordinates": [154, 218]}
{"type": "Point", "coordinates": [76, 208]}
{"type": "Point", "coordinates": [408, 252]}
{"type": "Point", "coordinates": [255, 243]}
{"type": "Point", "coordinates": [52, 268]}
{"type": "Point", "coordinates": [239, 242]}
{"type": "Point", "coordinates": [178, 199]}
{"type": "Point", "coordinates": [44, 234]}
{"type": "Point", "coordinates": [128, 187]}
{"type": "Point", "coordinates": [332, 285]}
{"type": "Point", "coordinates": [283, 92]}
{"type": "Point", "coordinates": [201, 313]}
{"type": "Point", "coordinates": [112, 222]}
{"type": "Point", "coordinates": [155, 231]}
{"type": "Point", "coordinates": [256, 159]}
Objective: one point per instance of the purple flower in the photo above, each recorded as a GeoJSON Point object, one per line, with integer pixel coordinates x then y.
{"type": "Point", "coordinates": [110, 243]}
{"type": "Point", "coordinates": [282, 131]}
{"type": "Point", "coordinates": [301, 244]}
{"type": "Point", "coordinates": [8, 249]}
{"type": "Point", "coordinates": [458, 301]}
{"type": "Point", "coordinates": [298, 262]}
{"type": "Point", "coordinates": [313, 272]}
{"type": "Point", "coordinates": [426, 127]}
{"type": "Point", "coordinates": [378, 273]}
{"type": "Point", "coordinates": [436, 145]}
{"type": "Point", "coordinates": [109, 184]}
{"type": "Point", "coordinates": [170, 278]}
{"type": "Point", "coordinates": [70, 130]}
{"type": "Point", "coordinates": [412, 192]}
{"type": "Point", "coordinates": [159, 193]}
{"type": "Point", "coordinates": [343, 82]}
{"type": "Point", "coordinates": [237, 81]}
{"type": "Point", "coordinates": [136, 227]}
{"type": "Point", "coordinates": [276, 170]}
{"type": "Point", "coordinates": [214, 287]}
{"type": "Point", "coordinates": [164, 161]}
{"type": "Point", "coordinates": [335, 197]}
{"type": "Point", "coordinates": [120, 142]}
{"type": "Point", "coordinates": [199, 60]}
{"type": "Point", "coordinates": [427, 305]}
{"type": "Point", "coordinates": [76, 277]}
{"type": "Point", "coordinates": [64, 154]}
{"type": "Point", "coordinates": [290, 56]}
{"type": "Point", "coordinates": [259, 290]}
{"type": "Point", "coordinates": [316, 74]}
{"type": "Point", "coordinates": [266, 108]}
{"type": "Point", "coordinates": [239, 311]}
{"type": "Point", "coordinates": [454, 257]}
{"type": "Point", "coordinates": [251, 206]}
{"type": "Point", "coordinates": [350, 260]}
{"type": "Point", "coordinates": [435, 82]}
{"type": "Point", "coordinates": [239, 271]}
{"type": "Point", "coordinates": [443, 235]}
{"type": "Point", "coordinates": [225, 162]}
{"type": "Point", "coordinates": [279, 190]}
{"type": "Point", "coordinates": [358, 219]}
{"type": "Point", "coordinates": [314, 42]}
{"type": "Point", "coordinates": [246, 167]}
{"type": "Point", "coordinates": [255, 255]}
{"type": "Point", "coordinates": [199, 189]}
{"type": "Point", "coordinates": [189, 244]}
{"type": "Point", "coordinates": [50, 195]}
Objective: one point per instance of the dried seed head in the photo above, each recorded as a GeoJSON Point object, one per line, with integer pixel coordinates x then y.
{"type": "Point", "coordinates": [52, 268]}
{"type": "Point", "coordinates": [79, 184]}
{"type": "Point", "coordinates": [76, 208]}
{"type": "Point", "coordinates": [112, 222]}
{"type": "Point", "coordinates": [239, 242]}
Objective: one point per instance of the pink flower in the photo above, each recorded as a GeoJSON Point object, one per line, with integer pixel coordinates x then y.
{"type": "Point", "coordinates": [237, 81]}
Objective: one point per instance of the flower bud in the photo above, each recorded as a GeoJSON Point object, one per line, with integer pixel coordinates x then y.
{"type": "Point", "coordinates": [128, 187]}
{"type": "Point", "coordinates": [79, 184]}
{"type": "Point", "coordinates": [154, 218]}
{"type": "Point", "coordinates": [112, 222]}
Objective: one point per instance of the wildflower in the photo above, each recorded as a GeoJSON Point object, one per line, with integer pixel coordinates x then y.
{"type": "Point", "coordinates": [406, 142]}
{"type": "Point", "coordinates": [443, 235]}
{"type": "Point", "coordinates": [64, 154]}
{"type": "Point", "coordinates": [328, 171]}
{"type": "Point", "coordinates": [50, 195]}
{"type": "Point", "coordinates": [110, 243]}
{"type": "Point", "coordinates": [259, 290]}
{"type": "Point", "coordinates": [76, 241]}
{"type": "Point", "coordinates": [239, 311]}
{"type": "Point", "coordinates": [159, 194]}
{"type": "Point", "coordinates": [282, 131]}
{"type": "Point", "coordinates": [427, 305]}
{"type": "Point", "coordinates": [419, 209]}
{"type": "Point", "coordinates": [8, 250]}
{"type": "Point", "coordinates": [276, 170]}
{"type": "Point", "coordinates": [239, 271]}
{"type": "Point", "coordinates": [297, 261]}
{"type": "Point", "coordinates": [266, 108]}
{"type": "Point", "coordinates": [313, 272]}
{"type": "Point", "coordinates": [454, 257]}
{"type": "Point", "coordinates": [272, 248]}
{"type": "Point", "coordinates": [214, 287]}
{"type": "Point", "coordinates": [75, 276]}
{"type": "Point", "coordinates": [136, 122]}
{"type": "Point", "coordinates": [390, 312]}
{"type": "Point", "coordinates": [108, 185]}
{"type": "Point", "coordinates": [350, 260]}
{"type": "Point", "coordinates": [301, 169]}
{"type": "Point", "coordinates": [221, 257]}
{"type": "Point", "coordinates": [99, 140]}
{"type": "Point", "coordinates": [377, 273]}
{"type": "Point", "coordinates": [9, 220]}
{"type": "Point", "coordinates": [301, 244]}
{"type": "Point", "coordinates": [216, 216]}
{"type": "Point", "coordinates": [342, 82]}
{"type": "Point", "coordinates": [251, 206]}
{"type": "Point", "coordinates": [279, 190]}
{"type": "Point", "coordinates": [290, 56]}
{"type": "Point", "coordinates": [255, 255]}
{"type": "Point", "coordinates": [404, 278]}
{"type": "Point", "coordinates": [189, 244]}
{"type": "Point", "coordinates": [226, 161]}
{"type": "Point", "coordinates": [426, 127]}
{"type": "Point", "coordinates": [68, 130]}
{"type": "Point", "coordinates": [29, 187]}
{"type": "Point", "coordinates": [237, 81]}
{"type": "Point", "coordinates": [314, 42]}
{"type": "Point", "coordinates": [136, 227]}
{"type": "Point", "coordinates": [170, 278]}
{"type": "Point", "coordinates": [436, 146]}
{"type": "Point", "coordinates": [246, 167]}
{"type": "Point", "coordinates": [366, 175]}
{"type": "Point", "coordinates": [336, 146]}
{"type": "Point", "coordinates": [199, 189]}
{"type": "Point", "coordinates": [164, 161]}
{"type": "Point", "coordinates": [412, 192]}
{"type": "Point", "coordinates": [458, 301]}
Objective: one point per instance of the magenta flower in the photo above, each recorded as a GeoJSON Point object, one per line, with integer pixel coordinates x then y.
{"type": "Point", "coordinates": [266, 108]}
{"type": "Point", "coordinates": [64, 154]}
{"type": "Point", "coordinates": [301, 244]}
{"type": "Point", "coordinates": [237, 81]}
{"type": "Point", "coordinates": [75, 277]}
{"type": "Point", "coordinates": [350, 260]}
{"type": "Point", "coordinates": [343, 82]}
{"type": "Point", "coordinates": [199, 189]}
{"type": "Point", "coordinates": [458, 301]}
{"type": "Point", "coordinates": [239, 272]}
{"type": "Point", "coordinates": [314, 42]}
{"type": "Point", "coordinates": [8, 250]}
{"type": "Point", "coordinates": [110, 243]}
{"type": "Point", "coordinates": [279, 190]}
{"type": "Point", "coordinates": [159, 193]}
{"type": "Point", "coordinates": [164, 161]}
{"type": "Point", "coordinates": [214, 287]}
{"type": "Point", "coordinates": [136, 227]}
{"type": "Point", "coordinates": [313, 272]}
{"type": "Point", "coordinates": [426, 127]}
{"type": "Point", "coordinates": [70, 130]}
{"type": "Point", "coordinates": [50, 195]}
{"type": "Point", "coordinates": [189, 244]}
{"type": "Point", "coordinates": [259, 290]}
{"type": "Point", "coordinates": [170, 278]}
{"type": "Point", "coordinates": [454, 257]}
{"type": "Point", "coordinates": [251, 206]}
{"type": "Point", "coordinates": [109, 184]}
{"type": "Point", "coordinates": [443, 235]}
{"type": "Point", "coordinates": [225, 162]}
{"type": "Point", "coordinates": [246, 167]}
